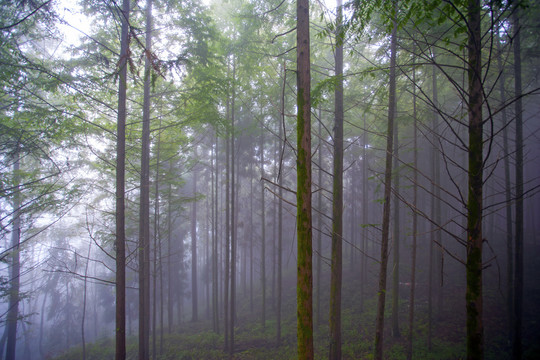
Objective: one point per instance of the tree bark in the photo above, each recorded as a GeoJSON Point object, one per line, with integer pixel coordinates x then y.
{"type": "Point", "coordinates": [414, 224]}
{"type": "Point", "coordinates": [381, 296]}
{"type": "Point", "coordinates": [14, 273]}
{"type": "Point", "coordinates": [517, 350]}
{"type": "Point", "coordinates": [144, 212]}
{"type": "Point", "coordinates": [304, 290]}
{"type": "Point", "coordinates": [233, 215]}
{"type": "Point", "coordinates": [396, 240]}
{"type": "Point", "coordinates": [194, 278]}
{"type": "Point", "coordinates": [337, 203]}
{"type": "Point", "coordinates": [263, 234]}
{"type": "Point", "coordinates": [280, 211]}
{"type": "Point", "coordinates": [120, 351]}
{"type": "Point", "coordinates": [474, 301]}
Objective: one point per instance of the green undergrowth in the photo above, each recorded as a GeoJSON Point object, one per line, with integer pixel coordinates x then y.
{"type": "Point", "coordinates": [255, 341]}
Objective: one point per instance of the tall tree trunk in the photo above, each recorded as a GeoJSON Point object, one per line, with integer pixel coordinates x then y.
{"type": "Point", "coordinates": [379, 325]}
{"type": "Point", "coordinates": [396, 240]}
{"type": "Point", "coordinates": [363, 259]}
{"type": "Point", "coordinates": [414, 223]}
{"type": "Point", "coordinates": [280, 209]}
{"type": "Point", "coordinates": [194, 280]}
{"type": "Point", "coordinates": [435, 240]}
{"type": "Point", "coordinates": [304, 290]}
{"type": "Point", "coordinates": [157, 257]}
{"type": "Point", "coordinates": [215, 304]}
{"type": "Point", "coordinates": [15, 269]}
{"type": "Point", "coordinates": [319, 223]}
{"type": "Point", "coordinates": [508, 197]}
{"type": "Point", "coordinates": [517, 351]}
{"type": "Point", "coordinates": [233, 222]}
{"type": "Point", "coordinates": [170, 318]}
{"type": "Point", "coordinates": [144, 213]}
{"type": "Point", "coordinates": [337, 201]}
{"type": "Point", "coordinates": [263, 234]}
{"type": "Point", "coordinates": [226, 251]}
{"type": "Point", "coordinates": [120, 351]}
{"type": "Point", "coordinates": [437, 193]}
{"type": "Point", "coordinates": [85, 288]}
{"type": "Point", "coordinates": [251, 239]}
{"type": "Point", "coordinates": [474, 301]}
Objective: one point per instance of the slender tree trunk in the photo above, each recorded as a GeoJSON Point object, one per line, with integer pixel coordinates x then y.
{"type": "Point", "coordinates": [280, 209]}
{"type": "Point", "coordinates": [157, 249]}
{"type": "Point", "coordinates": [144, 217]}
{"type": "Point", "coordinates": [227, 228]}
{"type": "Point", "coordinates": [508, 198]}
{"type": "Point", "coordinates": [304, 290]}
{"type": "Point", "coordinates": [83, 339]}
{"type": "Point", "coordinates": [396, 240]}
{"type": "Point", "coordinates": [15, 269]}
{"type": "Point", "coordinates": [215, 309]}
{"type": "Point", "coordinates": [437, 194]}
{"type": "Point", "coordinates": [337, 203]}
{"type": "Point", "coordinates": [363, 262]}
{"type": "Point", "coordinates": [474, 301]}
{"type": "Point", "coordinates": [120, 351]}
{"type": "Point", "coordinates": [207, 261]}
{"type": "Point", "coordinates": [251, 240]}
{"type": "Point", "coordinates": [170, 318]}
{"type": "Point", "coordinates": [517, 350]}
{"type": "Point", "coordinates": [194, 280]}
{"type": "Point", "coordinates": [263, 234]}
{"type": "Point", "coordinates": [233, 223]}
{"type": "Point", "coordinates": [319, 223]}
{"type": "Point", "coordinates": [379, 325]}
{"type": "Point", "coordinates": [414, 224]}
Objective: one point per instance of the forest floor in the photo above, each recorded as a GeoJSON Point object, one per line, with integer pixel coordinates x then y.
{"type": "Point", "coordinates": [254, 341]}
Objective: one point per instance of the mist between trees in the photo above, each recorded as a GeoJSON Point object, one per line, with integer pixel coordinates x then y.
{"type": "Point", "coordinates": [269, 179]}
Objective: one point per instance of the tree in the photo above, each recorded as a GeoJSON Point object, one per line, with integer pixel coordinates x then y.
{"type": "Point", "coordinates": [144, 212]}
{"type": "Point", "coordinates": [337, 203]}
{"type": "Point", "coordinates": [517, 351]}
{"type": "Point", "coordinates": [15, 269]}
{"type": "Point", "coordinates": [120, 188]}
{"type": "Point", "coordinates": [474, 300]}
{"type": "Point", "coordinates": [304, 289]}
{"type": "Point", "coordinates": [381, 295]}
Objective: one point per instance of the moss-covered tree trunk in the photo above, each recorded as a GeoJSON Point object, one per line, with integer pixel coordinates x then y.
{"type": "Point", "coordinates": [337, 203]}
{"type": "Point", "coordinates": [474, 302]}
{"type": "Point", "coordinates": [304, 289]}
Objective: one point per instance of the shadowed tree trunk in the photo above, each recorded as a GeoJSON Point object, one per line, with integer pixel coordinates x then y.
{"type": "Point", "coordinates": [508, 198]}
{"type": "Point", "coordinates": [474, 301]}
{"type": "Point", "coordinates": [395, 239]}
{"type": "Point", "coordinates": [120, 350]}
{"type": "Point", "coordinates": [194, 281]}
{"type": "Point", "coordinates": [144, 213]}
{"type": "Point", "coordinates": [280, 210]}
{"type": "Point", "coordinates": [233, 222]}
{"type": "Point", "coordinates": [337, 203]}
{"type": "Point", "coordinates": [304, 289]}
{"type": "Point", "coordinates": [15, 269]}
{"type": "Point", "coordinates": [517, 350]}
{"type": "Point", "coordinates": [379, 324]}
{"type": "Point", "coordinates": [414, 224]}
{"type": "Point", "coordinates": [263, 234]}
{"type": "Point", "coordinates": [319, 224]}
